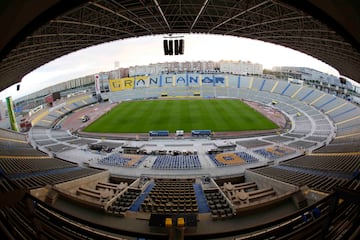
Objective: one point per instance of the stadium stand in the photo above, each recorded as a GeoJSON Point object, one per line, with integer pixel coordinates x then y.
{"type": "Point", "coordinates": [342, 147]}
{"type": "Point", "coordinates": [40, 179]}
{"type": "Point", "coordinates": [15, 165]}
{"type": "Point", "coordinates": [124, 202]}
{"type": "Point", "coordinates": [7, 134]}
{"type": "Point", "coordinates": [171, 196]}
{"type": "Point", "coordinates": [177, 162]}
{"type": "Point", "coordinates": [268, 85]}
{"type": "Point", "coordinates": [11, 147]}
{"type": "Point", "coordinates": [317, 117]}
{"type": "Point", "coordinates": [317, 182]}
{"type": "Point", "coordinates": [247, 196]}
{"type": "Point", "coordinates": [278, 139]}
{"type": "Point", "coordinates": [274, 152]}
{"type": "Point", "coordinates": [348, 127]}
{"type": "Point", "coordinates": [301, 144]}
{"type": "Point", "coordinates": [122, 160]}
{"type": "Point", "coordinates": [313, 96]}
{"type": "Point", "coordinates": [29, 168]}
{"type": "Point", "coordinates": [231, 159]}
{"type": "Point", "coordinates": [218, 204]}
{"type": "Point", "coordinates": [347, 163]}
{"type": "Point", "coordinates": [252, 143]}
{"type": "Point", "coordinates": [48, 117]}
{"type": "Point", "coordinates": [312, 127]}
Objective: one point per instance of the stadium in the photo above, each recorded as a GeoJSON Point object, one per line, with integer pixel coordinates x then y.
{"type": "Point", "coordinates": [183, 155]}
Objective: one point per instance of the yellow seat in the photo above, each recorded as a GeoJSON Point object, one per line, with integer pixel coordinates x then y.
{"type": "Point", "coordinates": [168, 222]}
{"type": "Point", "coordinates": [180, 222]}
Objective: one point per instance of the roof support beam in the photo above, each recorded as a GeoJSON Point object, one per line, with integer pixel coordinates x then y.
{"type": "Point", "coordinates": [162, 14]}
{"type": "Point", "coordinates": [120, 15]}
{"type": "Point", "coordinates": [270, 22]}
{"type": "Point", "coordinates": [91, 25]}
{"type": "Point", "coordinates": [301, 38]}
{"type": "Point", "coordinates": [238, 15]}
{"type": "Point", "coordinates": [198, 15]}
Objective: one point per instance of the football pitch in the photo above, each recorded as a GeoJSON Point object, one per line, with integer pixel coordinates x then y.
{"type": "Point", "coordinates": [217, 115]}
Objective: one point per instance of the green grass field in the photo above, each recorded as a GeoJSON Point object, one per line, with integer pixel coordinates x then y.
{"type": "Point", "coordinates": [215, 115]}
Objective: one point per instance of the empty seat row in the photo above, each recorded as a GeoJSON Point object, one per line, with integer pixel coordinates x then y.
{"type": "Point", "coordinates": [177, 162]}
{"type": "Point", "coordinates": [336, 162]}
{"type": "Point", "coordinates": [17, 164]}
{"type": "Point", "coordinates": [122, 160]}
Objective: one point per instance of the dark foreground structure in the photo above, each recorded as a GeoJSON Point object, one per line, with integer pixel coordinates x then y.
{"type": "Point", "coordinates": [43, 197]}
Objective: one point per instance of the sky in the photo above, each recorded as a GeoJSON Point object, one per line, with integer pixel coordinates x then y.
{"type": "Point", "coordinates": [149, 49]}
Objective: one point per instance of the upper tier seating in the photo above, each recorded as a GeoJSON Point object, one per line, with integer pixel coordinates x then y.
{"type": "Point", "coordinates": [299, 178]}
{"type": "Point", "coordinates": [332, 163]}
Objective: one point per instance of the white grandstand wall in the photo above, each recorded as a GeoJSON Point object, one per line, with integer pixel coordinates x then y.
{"type": "Point", "coordinates": [265, 182]}
{"type": "Point", "coordinates": [240, 67]}
{"type": "Point", "coordinates": [236, 67]}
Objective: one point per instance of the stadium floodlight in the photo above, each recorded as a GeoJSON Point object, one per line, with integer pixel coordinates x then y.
{"type": "Point", "coordinates": [175, 45]}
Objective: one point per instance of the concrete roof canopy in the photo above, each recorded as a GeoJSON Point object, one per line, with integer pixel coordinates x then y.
{"type": "Point", "coordinates": [34, 34]}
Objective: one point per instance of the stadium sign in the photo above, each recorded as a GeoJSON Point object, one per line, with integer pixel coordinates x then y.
{"type": "Point", "coordinates": [167, 80]}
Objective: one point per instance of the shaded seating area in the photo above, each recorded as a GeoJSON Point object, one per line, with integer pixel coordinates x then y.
{"type": "Point", "coordinates": [102, 192]}
{"type": "Point", "coordinates": [171, 196]}
{"type": "Point", "coordinates": [354, 185]}
{"type": "Point", "coordinates": [15, 144]}
{"type": "Point", "coordinates": [15, 219]}
{"type": "Point", "coordinates": [53, 177]}
{"type": "Point", "coordinates": [9, 134]}
{"type": "Point", "coordinates": [122, 160]}
{"type": "Point", "coordinates": [177, 162]}
{"type": "Point", "coordinates": [340, 147]}
{"type": "Point", "coordinates": [14, 166]}
{"type": "Point", "coordinates": [346, 163]}
{"type": "Point", "coordinates": [123, 202]}
{"type": "Point", "coordinates": [5, 185]}
{"type": "Point", "coordinates": [295, 176]}
{"type": "Point", "coordinates": [218, 204]}
{"type": "Point", "coordinates": [29, 168]}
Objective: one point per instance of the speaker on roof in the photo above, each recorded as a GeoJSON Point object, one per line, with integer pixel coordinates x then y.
{"type": "Point", "coordinates": [171, 47]}
{"type": "Point", "coordinates": [176, 47]}
{"type": "Point", "coordinates": [166, 47]}
{"type": "Point", "coordinates": [181, 46]}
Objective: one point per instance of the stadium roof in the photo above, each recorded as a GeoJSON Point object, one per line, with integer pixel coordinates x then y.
{"type": "Point", "coordinates": [34, 34]}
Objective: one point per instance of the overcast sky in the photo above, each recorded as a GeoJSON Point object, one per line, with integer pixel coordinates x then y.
{"type": "Point", "coordinates": [145, 50]}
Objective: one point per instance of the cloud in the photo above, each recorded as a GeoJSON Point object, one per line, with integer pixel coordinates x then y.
{"type": "Point", "coordinates": [149, 49]}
